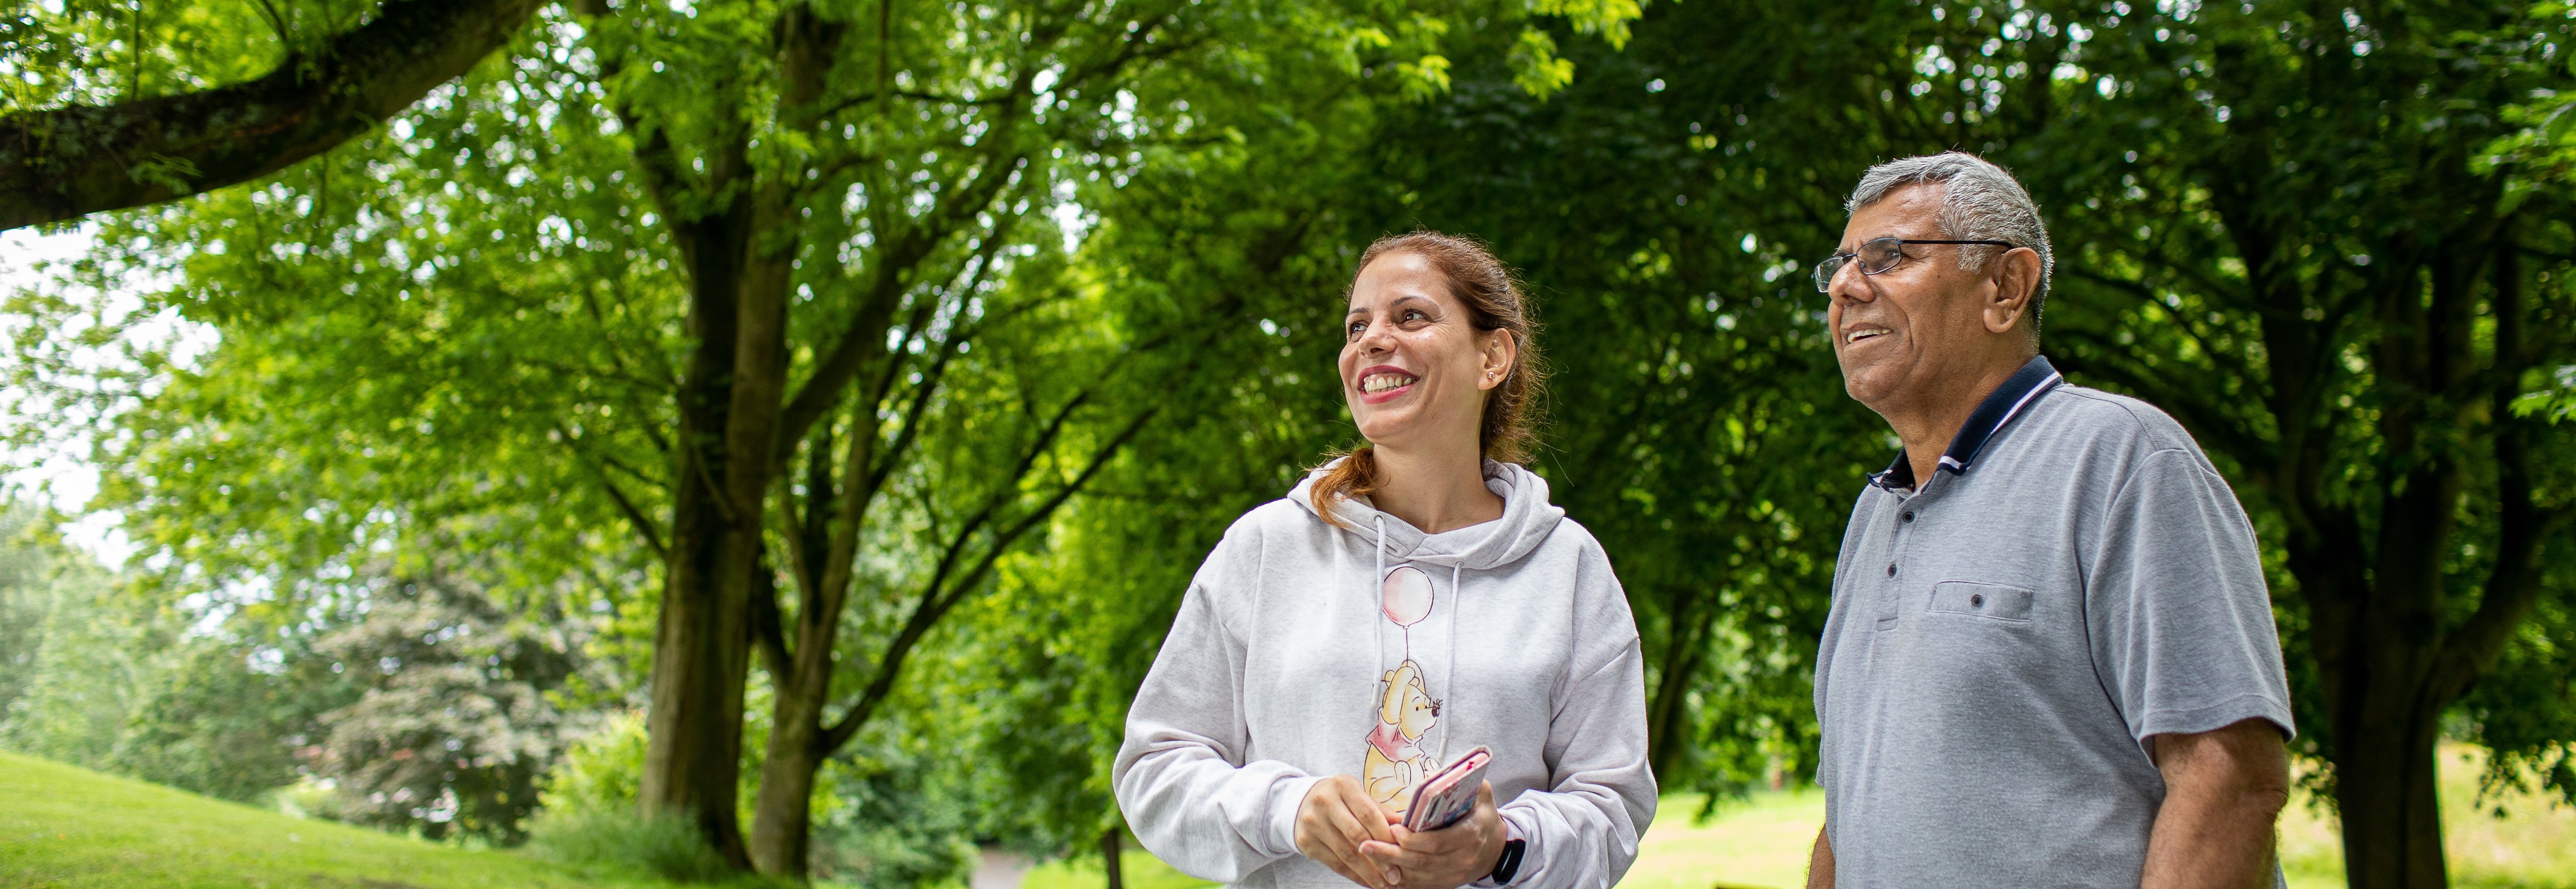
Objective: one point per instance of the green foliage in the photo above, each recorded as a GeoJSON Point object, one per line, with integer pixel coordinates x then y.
{"type": "Point", "coordinates": [75, 653]}
{"type": "Point", "coordinates": [225, 720]}
{"type": "Point", "coordinates": [471, 332]}
{"type": "Point", "coordinates": [460, 712]}
{"type": "Point", "coordinates": [663, 846]}
{"type": "Point", "coordinates": [26, 598]}
{"type": "Point", "coordinates": [599, 771]}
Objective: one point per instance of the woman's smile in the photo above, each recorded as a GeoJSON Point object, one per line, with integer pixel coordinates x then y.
{"type": "Point", "coordinates": [1382, 383]}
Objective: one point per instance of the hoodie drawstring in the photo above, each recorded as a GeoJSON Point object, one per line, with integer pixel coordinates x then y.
{"type": "Point", "coordinates": [1377, 617]}
{"type": "Point", "coordinates": [1449, 658]}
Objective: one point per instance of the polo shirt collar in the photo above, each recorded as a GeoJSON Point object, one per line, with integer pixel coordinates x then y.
{"type": "Point", "coordinates": [1999, 408]}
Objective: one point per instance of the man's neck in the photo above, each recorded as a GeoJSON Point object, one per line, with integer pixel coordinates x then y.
{"type": "Point", "coordinates": [1435, 489]}
{"type": "Point", "coordinates": [1928, 422]}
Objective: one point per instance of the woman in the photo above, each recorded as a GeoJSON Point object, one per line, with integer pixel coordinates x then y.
{"type": "Point", "coordinates": [1402, 606]}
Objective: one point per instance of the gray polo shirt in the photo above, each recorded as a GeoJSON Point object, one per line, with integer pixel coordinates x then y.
{"type": "Point", "coordinates": [2074, 578]}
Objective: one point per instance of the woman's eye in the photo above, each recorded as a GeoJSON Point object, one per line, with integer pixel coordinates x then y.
{"type": "Point", "coordinates": [1415, 315]}
{"type": "Point", "coordinates": [1358, 327]}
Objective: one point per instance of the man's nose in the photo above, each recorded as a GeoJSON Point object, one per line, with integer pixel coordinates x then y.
{"type": "Point", "coordinates": [1849, 285]}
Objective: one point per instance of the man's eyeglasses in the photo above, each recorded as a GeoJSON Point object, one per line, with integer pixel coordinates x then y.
{"type": "Point", "coordinates": [1877, 256]}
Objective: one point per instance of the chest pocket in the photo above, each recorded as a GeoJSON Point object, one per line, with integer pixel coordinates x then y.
{"type": "Point", "coordinates": [1986, 600]}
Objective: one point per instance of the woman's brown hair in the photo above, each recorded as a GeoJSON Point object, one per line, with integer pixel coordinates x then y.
{"type": "Point", "coordinates": [1494, 302]}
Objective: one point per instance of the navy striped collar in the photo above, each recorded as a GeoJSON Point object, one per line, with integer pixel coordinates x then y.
{"type": "Point", "coordinates": [1999, 408]}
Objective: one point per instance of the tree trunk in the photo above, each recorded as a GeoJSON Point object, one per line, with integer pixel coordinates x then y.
{"type": "Point", "coordinates": [1686, 627]}
{"type": "Point", "coordinates": [1109, 858]}
{"type": "Point", "coordinates": [2384, 769]}
{"type": "Point", "coordinates": [783, 812]}
{"type": "Point", "coordinates": [693, 748]}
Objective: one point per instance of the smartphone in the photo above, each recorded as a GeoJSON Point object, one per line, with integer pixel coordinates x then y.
{"type": "Point", "coordinates": [1450, 795]}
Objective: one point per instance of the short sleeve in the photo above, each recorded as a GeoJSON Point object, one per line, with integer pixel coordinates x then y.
{"type": "Point", "coordinates": [2179, 613]}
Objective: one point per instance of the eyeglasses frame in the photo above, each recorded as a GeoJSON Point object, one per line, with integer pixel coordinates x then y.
{"type": "Point", "coordinates": [1827, 285]}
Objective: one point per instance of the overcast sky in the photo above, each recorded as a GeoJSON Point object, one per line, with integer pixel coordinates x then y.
{"type": "Point", "coordinates": [59, 475]}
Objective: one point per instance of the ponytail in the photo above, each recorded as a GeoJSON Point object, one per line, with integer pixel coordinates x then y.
{"type": "Point", "coordinates": [1355, 476]}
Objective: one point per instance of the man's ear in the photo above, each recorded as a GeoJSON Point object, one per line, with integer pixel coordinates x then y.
{"type": "Point", "coordinates": [2016, 281]}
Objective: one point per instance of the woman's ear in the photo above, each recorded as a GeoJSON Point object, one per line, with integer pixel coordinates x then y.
{"type": "Point", "coordinates": [1500, 347]}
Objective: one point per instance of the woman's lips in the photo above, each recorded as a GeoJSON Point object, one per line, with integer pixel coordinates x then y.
{"type": "Point", "coordinates": [1384, 383]}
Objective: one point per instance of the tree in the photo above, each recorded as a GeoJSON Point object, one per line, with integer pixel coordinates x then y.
{"type": "Point", "coordinates": [1680, 188]}
{"type": "Point", "coordinates": [852, 237]}
{"type": "Point", "coordinates": [460, 709]}
{"type": "Point", "coordinates": [2360, 315]}
{"type": "Point", "coordinates": [65, 158]}
{"type": "Point", "coordinates": [2372, 305]}
{"type": "Point", "coordinates": [602, 281]}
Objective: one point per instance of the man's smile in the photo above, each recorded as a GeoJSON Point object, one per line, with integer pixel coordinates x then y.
{"type": "Point", "coordinates": [1856, 334]}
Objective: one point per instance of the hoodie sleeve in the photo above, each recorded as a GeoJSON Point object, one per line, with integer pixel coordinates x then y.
{"type": "Point", "coordinates": [1582, 832]}
{"type": "Point", "coordinates": [1181, 776]}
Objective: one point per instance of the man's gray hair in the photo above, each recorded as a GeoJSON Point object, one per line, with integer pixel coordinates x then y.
{"type": "Point", "coordinates": [1984, 203]}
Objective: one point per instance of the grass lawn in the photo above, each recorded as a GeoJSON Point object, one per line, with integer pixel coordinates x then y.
{"type": "Point", "coordinates": [1763, 841]}
{"type": "Point", "coordinates": [2532, 847]}
{"type": "Point", "coordinates": [1140, 870]}
{"type": "Point", "coordinates": [63, 827]}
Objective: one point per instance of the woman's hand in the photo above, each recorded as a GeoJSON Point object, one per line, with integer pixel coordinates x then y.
{"type": "Point", "coordinates": [1447, 858]}
{"type": "Point", "coordinates": [1335, 819]}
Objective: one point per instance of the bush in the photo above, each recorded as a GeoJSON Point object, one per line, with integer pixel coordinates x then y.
{"type": "Point", "coordinates": [665, 846]}
{"type": "Point", "coordinates": [599, 772]}
{"type": "Point", "coordinates": [589, 817]}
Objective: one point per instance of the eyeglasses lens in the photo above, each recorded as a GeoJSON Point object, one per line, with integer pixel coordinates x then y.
{"type": "Point", "coordinates": [1875, 257]}
{"type": "Point", "coordinates": [1880, 255]}
{"type": "Point", "coordinates": [1825, 272]}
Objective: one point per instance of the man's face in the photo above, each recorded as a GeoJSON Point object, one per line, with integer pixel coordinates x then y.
{"type": "Point", "coordinates": [1902, 333]}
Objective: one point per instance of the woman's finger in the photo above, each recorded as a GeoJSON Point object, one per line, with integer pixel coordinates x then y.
{"type": "Point", "coordinates": [1380, 821]}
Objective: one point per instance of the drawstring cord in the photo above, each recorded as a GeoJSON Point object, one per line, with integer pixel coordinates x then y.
{"type": "Point", "coordinates": [1449, 659]}
{"type": "Point", "coordinates": [1377, 622]}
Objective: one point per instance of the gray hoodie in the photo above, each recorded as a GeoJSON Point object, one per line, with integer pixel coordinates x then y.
{"type": "Point", "coordinates": [1303, 650]}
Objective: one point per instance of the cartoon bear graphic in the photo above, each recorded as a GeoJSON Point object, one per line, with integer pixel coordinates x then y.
{"type": "Point", "coordinates": [1395, 762]}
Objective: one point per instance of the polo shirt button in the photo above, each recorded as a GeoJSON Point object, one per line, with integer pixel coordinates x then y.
{"type": "Point", "coordinates": [1977, 601]}
{"type": "Point", "coordinates": [1891, 569]}
{"type": "Point", "coordinates": [1908, 518]}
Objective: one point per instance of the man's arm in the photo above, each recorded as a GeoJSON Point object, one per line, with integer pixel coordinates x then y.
{"type": "Point", "coordinates": [1820, 863]}
{"type": "Point", "coordinates": [2223, 789]}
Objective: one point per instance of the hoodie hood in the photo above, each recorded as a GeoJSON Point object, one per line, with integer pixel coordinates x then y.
{"type": "Point", "coordinates": [1527, 520]}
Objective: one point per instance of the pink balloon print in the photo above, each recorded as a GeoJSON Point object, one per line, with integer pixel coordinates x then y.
{"type": "Point", "coordinates": [1406, 596]}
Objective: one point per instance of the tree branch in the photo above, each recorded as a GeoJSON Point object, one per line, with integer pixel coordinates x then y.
{"type": "Point", "coordinates": [935, 602]}
{"type": "Point", "coordinates": [643, 525]}
{"type": "Point", "coordinates": [2513, 584]}
{"type": "Point", "coordinates": [62, 163]}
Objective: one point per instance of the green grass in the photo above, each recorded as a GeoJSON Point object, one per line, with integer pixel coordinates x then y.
{"type": "Point", "coordinates": [63, 827]}
{"type": "Point", "coordinates": [1763, 841]}
{"type": "Point", "coordinates": [2532, 847]}
{"type": "Point", "coordinates": [1138, 869]}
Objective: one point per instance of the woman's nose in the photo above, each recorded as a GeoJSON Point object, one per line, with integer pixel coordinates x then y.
{"type": "Point", "coordinates": [1376, 338]}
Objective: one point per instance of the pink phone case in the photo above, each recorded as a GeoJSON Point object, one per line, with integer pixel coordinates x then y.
{"type": "Point", "coordinates": [1448, 796]}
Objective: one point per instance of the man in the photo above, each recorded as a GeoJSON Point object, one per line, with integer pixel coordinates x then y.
{"type": "Point", "coordinates": [2050, 659]}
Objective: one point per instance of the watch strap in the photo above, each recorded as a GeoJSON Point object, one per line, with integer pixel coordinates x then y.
{"type": "Point", "coordinates": [1509, 865]}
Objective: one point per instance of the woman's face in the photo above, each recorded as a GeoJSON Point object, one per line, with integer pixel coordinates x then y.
{"type": "Point", "coordinates": [1414, 367]}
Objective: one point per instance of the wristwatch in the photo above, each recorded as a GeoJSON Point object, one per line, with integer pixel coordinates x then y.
{"type": "Point", "coordinates": [1508, 866]}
